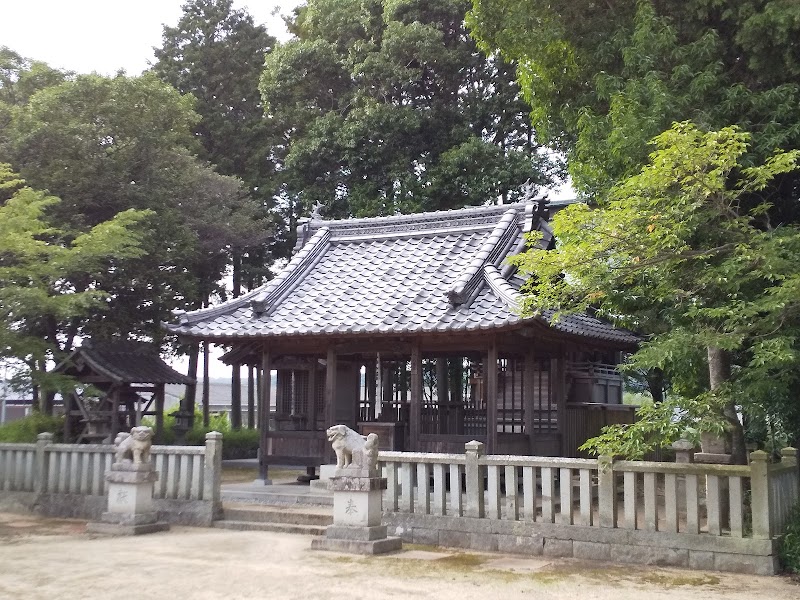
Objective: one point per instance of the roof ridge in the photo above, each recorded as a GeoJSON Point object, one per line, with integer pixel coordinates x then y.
{"type": "Point", "coordinates": [185, 318]}
{"type": "Point", "coordinates": [351, 229]}
{"type": "Point", "coordinates": [470, 281]}
{"type": "Point", "coordinates": [303, 261]}
{"type": "Point", "coordinates": [502, 289]}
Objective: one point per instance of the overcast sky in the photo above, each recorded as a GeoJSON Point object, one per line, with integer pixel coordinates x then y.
{"type": "Point", "coordinates": [107, 35]}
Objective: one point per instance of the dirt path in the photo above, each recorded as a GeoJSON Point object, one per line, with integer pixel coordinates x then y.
{"type": "Point", "coordinates": [42, 559]}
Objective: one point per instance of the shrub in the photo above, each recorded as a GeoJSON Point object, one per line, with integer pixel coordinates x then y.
{"type": "Point", "coordinates": [240, 444]}
{"type": "Point", "coordinates": [790, 542]}
{"type": "Point", "coordinates": [25, 430]}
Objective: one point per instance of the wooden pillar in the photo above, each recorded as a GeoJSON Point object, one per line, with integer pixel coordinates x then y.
{"type": "Point", "coordinates": [371, 390]}
{"type": "Point", "coordinates": [263, 414]}
{"type": "Point", "coordinates": [558, 376]}
{"type": "Point", "coordinates": [312, 396]}
{"type": "Point", "coordinates": [330, 396]}
{"type": "Point", "coordinates": [114, 411]}
{"type": "Point", "coordinates": [68, 418]}
{"type": "Point", "coordinates": [330, 388]}
{"type": "Point", "coordinates": [490, 368]}
{"type": "Point", "coordinates": [415, 407]}
{"type": "Point", "coordinates": [258, 397]}
{"type": "Point", "coordinates": [236, 397]}
{"type": "Point", "coordinates": [529, 387]}
{"type": "Point", "coordinates": [159, 402]}
{"type": "Point", "coordinates": [206, 389]}
{"type": "Point", "coordinates": [251, 397]}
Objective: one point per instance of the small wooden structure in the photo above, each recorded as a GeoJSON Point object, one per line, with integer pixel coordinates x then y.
{"type": "Point", "coordinates": [409, 326]}
{"type": "Point", "coordinates": [123, 382]}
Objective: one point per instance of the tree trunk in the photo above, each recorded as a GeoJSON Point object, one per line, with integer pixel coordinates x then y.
{"type": "Point", "coordinates": [655, 382]}
{"type": "Point", "coordinates": [719, 371]}
{"type": "Point", "coordinates": [46, 398]}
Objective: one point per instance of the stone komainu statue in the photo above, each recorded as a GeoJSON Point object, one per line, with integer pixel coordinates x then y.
{"type": "Point", "coordinates": [355, 453]}
{"type": "Point", "coordinates": [134, 446]}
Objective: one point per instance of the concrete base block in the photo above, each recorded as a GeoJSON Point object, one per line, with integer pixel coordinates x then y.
{"type": "Point", "coordinates": [118, 529]}
{"type": "Point", "coordinates": [364, 534]}
{"type": "Point", "coordinates": [703, 561]}
{"type": "Point", "coordinates": [129, 519]}
{"type": "Point", "coordinates": [553, 547]}
{"type": "Point", "coordinates": [389, 544]}
{"type": "Point", "coordinates": [426, 537]}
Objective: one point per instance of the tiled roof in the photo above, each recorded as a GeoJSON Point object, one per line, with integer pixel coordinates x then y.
{"type": "Point", "coordinates": [123, 362]}
{"type": "Point", "coordinates": [430, 272]}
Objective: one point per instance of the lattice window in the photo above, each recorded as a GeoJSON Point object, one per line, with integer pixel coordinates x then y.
{"type": "Point", "coordinates": [510, 395]}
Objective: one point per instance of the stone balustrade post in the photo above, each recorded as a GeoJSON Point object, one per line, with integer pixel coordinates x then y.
{"type": "Point", "coordinates": [789, 457]}
{"type": "Point", "coordinates": [684, 451]}
{"type": "Point", "coordinates": [759, 494]}
{"type": "Point", "coordinates": [40, 474]}
{"type": "Point", "coordinates": [475, 500]}
{"type": "Point", "coordinates": [212, 475]}
{"type": "Point", "coordinates": [606, 491]}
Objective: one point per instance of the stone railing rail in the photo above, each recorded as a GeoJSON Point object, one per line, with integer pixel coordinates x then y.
{"type": "Point", "coordinates": [690, 499]}
{"type": "Point", "coordinates": [51, 471]}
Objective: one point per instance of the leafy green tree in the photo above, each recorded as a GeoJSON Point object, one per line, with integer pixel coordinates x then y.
{"type": "Point", "coordinates": [678, 240]}
{"type": "Point", "coordinates": [603, 78]}
{"type": "Point", "coordinates": [105, 145]}
{"type": "Point", "coordinates": [388, 106]}
{"type": "Point", "coordinates": [39, 262]}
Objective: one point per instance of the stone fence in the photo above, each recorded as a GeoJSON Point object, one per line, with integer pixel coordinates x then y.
{"type": "Point", "coordinates": [721, 517]}
{"type": "Point", "coordinates": [68, 480]}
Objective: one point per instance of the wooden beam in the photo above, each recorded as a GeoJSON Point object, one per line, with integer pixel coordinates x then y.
{"type": "Point", "coordinates": [263, 413]}
{"type": "Point", "coordinates": [415, 406]}
{"type": "Point", "coordinates": [490, 369]}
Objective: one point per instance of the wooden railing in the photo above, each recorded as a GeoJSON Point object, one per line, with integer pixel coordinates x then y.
{"type": "Point", "coordinates": [633, 495]}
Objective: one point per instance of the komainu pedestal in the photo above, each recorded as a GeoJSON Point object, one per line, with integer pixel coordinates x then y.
{"type": "Point", "coordinates": [130, 483]}
{"type": "Point", "coordinates": [357, 496]}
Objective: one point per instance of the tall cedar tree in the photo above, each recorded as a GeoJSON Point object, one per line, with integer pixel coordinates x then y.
{"type": "Point", "coordinates": [216, 54]}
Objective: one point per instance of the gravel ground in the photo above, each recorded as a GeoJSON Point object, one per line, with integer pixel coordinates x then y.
{"type": "Point", "coordinates": [53, 558]}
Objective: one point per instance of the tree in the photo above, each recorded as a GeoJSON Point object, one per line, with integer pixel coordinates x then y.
{"type": "Point", "coordinates": [216, 54]}
{"type": "Point", "coordinates": [105, 145]}
{"type": "Point", "coordinates": [386, 107]}
{"type": "Point", "coordinates": [721, 275]}
{"type": "Point", "coordinates": [603, 78]}
{"type": "Point", "coordinates": [39, 262]}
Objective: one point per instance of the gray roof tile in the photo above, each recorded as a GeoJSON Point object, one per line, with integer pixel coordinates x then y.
{"type": "Point", "coordinates": [401, 274]}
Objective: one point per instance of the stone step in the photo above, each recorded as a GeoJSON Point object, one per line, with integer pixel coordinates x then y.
{"type": "Point", "coordinates": [268, 498]}
{"type": "Point", "coordinates": [274, 527]}
{"type": "Point", "coordinates": [310, 515]}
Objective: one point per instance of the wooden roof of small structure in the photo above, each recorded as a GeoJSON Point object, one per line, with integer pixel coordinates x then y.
{"type": "Point", "coordinates": [429, 273]}
{"type": "Point", "coordinates": [121, 362]}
